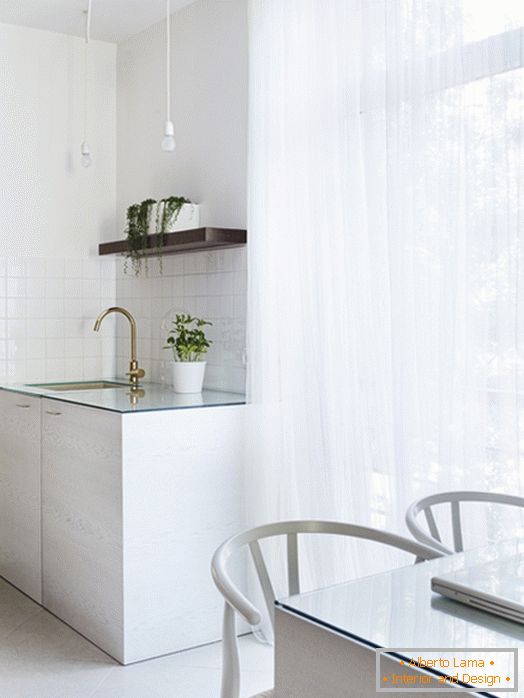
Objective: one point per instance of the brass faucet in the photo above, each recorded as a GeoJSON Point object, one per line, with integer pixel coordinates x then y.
{"type": "Point", "coordinates": [134, 372]}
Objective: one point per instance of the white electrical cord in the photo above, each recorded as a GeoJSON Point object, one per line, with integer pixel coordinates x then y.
{"type": "Point", "coordinates": [86, 155]}
{"type": "Point", "coordinates": [88, 21]}
{"type": "Point", "coordinates": [168, 141]}
{"type": "Point", "coordinates": [86, 66]}
{"type": "Point", "coordinates": [168, 60]}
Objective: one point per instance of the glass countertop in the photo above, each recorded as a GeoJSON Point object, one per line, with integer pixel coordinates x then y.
{"type": "Point", "coordinates": [149, 397]}
{"type": "Point", "coordinates": [398, 609]}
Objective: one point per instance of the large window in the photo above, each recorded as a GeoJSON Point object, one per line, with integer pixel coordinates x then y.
{"type": "Point", "coordinates": [386, 263]}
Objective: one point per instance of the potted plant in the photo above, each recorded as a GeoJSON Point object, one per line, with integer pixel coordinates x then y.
{"type": "Point", "coordinates": [189, 344]}
{"type": "Point", "coordinates": [157, 219]}
{"type": "Point", "coordinates": [176, 213]}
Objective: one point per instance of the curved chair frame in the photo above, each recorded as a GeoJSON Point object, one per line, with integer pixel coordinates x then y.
{"type": "Point", "coordinates": [454, 499]}
{"type": "Point", "coordinates": [236, 601]}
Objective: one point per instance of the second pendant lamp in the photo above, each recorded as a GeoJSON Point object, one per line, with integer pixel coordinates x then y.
{"type": "Point", "coordinates": [85, 151]}
{"type": "Point", "coordinates": [168, 141]}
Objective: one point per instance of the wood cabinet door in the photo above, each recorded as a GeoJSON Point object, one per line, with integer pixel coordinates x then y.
{"type": "Point", "coordinates": [20, 475]}
{"type": "Point", "coordinates": [82, 520]}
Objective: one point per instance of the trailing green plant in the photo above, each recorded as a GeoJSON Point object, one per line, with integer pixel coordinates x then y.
{"type": "Point", "coordinates": [138, 219]}
{"type": "Point", "coordinates": [187, 340]}
{"type": "Point", "coordinates": [167, 212]}
{"type": "Point", "coordinates": [138, 225]}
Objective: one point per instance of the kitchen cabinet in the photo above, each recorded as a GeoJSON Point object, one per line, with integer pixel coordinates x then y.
{"type": "Point", "coordinates": [109, 515]}
{"type": "Point", "coordinates": [20, 530]}
{"type": "Point", "coordinates": [133, 507]}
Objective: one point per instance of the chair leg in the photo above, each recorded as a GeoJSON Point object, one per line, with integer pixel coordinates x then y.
{"type": "Point", "coordinates": [230, 659]}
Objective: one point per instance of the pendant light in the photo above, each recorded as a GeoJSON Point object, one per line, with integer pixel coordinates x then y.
{"type": "Point", "coordinates": [85, 151]}
{"type": "Point", "coordinates": [168, 141]}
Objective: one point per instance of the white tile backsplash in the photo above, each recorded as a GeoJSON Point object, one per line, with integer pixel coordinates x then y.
{"type": "Point", "coordinates": [209, 284]}
{"type": "Point", "coordinates": [50, 306]}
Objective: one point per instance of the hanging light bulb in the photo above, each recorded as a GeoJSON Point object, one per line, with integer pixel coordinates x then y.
{"type": "Point", "coordinates": [87, 158]}
{"type": "Point", "coordinates": [168, 141]}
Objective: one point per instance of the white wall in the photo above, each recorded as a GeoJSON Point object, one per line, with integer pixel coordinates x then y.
{"type": "Point", "coordinates": [209, 100]}
{"type": "Point", "coordinates": [53, 212]}
{"type": "Point", "coordinates": [209, 64]}
{"type": "Point", "coordinates": [49, 204]}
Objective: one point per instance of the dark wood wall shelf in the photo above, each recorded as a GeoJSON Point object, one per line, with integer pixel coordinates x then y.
{"type": "Point", "coordinates": [184, 241]}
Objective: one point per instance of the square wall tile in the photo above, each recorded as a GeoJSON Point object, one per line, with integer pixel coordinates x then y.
{"type": "Point", "coordinates": [47, 301]}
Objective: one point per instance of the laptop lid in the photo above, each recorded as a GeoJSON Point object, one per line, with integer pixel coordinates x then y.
{"type": "Point", "coordinates": [495, 586]}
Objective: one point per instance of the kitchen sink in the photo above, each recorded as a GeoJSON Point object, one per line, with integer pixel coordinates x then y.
{"type": "Point", "coordinates": [84, 385]}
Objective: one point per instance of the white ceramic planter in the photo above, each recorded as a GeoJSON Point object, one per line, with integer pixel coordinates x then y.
{"type": "Point", "coordinates": [188, 217]}
{"type": "Point", "coordinates": [151, 228]}
{"type": "Point", "coordinates": [188, 376]}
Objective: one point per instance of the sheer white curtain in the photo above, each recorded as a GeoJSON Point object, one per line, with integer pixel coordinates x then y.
{"type": "Point", "coordinates": [385, 258]}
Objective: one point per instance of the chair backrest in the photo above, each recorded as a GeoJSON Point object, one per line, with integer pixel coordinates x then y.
{"type": "Point", "coordinates": [235, 599]}
{"type": "Point", "coordinates": [454, 499]}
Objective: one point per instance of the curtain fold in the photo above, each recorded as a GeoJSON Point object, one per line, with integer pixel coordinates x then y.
{"type": "Point", "coordinates": [385, 261]}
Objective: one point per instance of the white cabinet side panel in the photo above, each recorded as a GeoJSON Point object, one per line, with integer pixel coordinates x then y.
{"type": "Point", "coordinates": [183, 496]}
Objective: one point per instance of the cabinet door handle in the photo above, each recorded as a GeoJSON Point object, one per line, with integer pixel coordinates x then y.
{"type": "Point", "coordinates": [24, 407]}
{"type": "Point", "coordinates": [54, 414]}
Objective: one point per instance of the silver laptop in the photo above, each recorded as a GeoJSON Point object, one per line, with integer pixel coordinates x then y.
{"type": "Point", "coordinates": [496, 587]}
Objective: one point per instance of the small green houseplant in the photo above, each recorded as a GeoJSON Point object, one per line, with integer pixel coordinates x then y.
{"type": "Point", "coordinates": [189, 344]}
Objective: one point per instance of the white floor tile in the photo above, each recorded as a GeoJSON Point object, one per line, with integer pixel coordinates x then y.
{"type": "Point", "coordinates": [41, 657]}
{"type": "Point", "coordinates": [191, 674]}
{"type": "Point", "coordinates": [44, 658]}
{"type": "Point", "coordinates": [141, 681]}
{"type": "Point", "coordinates": [15, 608]}
{"type": "Point", "coordinates": [254, 656]}
{"type": "Point", "coordinates": [253, 683]}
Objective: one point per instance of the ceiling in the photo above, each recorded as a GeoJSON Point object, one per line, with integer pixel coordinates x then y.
{"type": "Point", "coordinates": [113, 20]}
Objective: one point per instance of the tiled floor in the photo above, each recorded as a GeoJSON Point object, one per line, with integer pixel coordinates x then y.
{"type": "Point", "coordinates": [40, 657]}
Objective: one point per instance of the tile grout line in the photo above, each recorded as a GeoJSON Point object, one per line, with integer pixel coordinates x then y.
{"type": "Point", "coordinates": [38, 611]}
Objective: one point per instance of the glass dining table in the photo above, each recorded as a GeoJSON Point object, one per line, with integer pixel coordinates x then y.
{"type": "Point", "coordinates": [326, 640]}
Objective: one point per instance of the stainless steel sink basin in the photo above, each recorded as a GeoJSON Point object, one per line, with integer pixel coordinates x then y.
{"type": "Point", "coordinates": [84, 385]}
